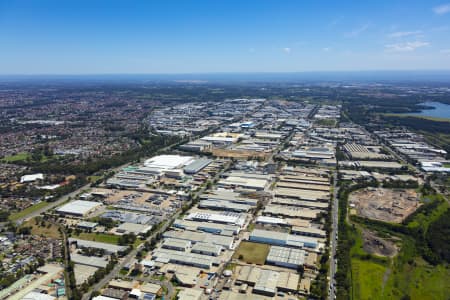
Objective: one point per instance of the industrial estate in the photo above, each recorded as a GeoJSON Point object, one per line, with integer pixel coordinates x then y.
{"type": "Point", "coordinates": [246, 198]}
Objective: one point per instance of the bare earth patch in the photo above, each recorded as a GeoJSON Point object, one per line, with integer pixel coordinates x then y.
{"type": "Point", "coordinates": [387, 205]}
{"type": "Point", "coordinates": [373, 244]}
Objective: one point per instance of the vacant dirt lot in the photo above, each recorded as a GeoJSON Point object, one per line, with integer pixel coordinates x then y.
{"type": "Point", "coordinates": [388, 205]}
{"type": "Point", "coordinates": [373, 244]}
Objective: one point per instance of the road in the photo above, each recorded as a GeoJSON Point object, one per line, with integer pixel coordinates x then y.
{"type": "Point", "coordinates": [124, 261]}
{"type": "Point", "coordinates": [333, 237]}
{"type": "Point", "coordinates": [130, 256]}
{"type": "Point", "coordinates": [61, 199]}
{"type": "Point", "coordinates": [52, 205]}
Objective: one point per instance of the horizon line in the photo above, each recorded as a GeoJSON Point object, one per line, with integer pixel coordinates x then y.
{"type": "Point", "coordinates": [224, 72]}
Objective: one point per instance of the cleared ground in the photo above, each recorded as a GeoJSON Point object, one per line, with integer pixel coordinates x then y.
{"type": "Point", "coordinates": [82, 273]}
{"type": "Point", "coordinates": [252, 253]}
{"type": "Point", "coordinates": [43, 228]}
{"type": "Point", "coordinates": [387, 205]}
{"type": "Point", "coordinates": [373, 244]}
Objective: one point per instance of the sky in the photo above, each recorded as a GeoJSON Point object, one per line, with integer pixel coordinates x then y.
{"type": "Point", "coordinates": [193, 36]}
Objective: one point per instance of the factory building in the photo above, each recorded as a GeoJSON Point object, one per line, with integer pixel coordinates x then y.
{"type": "Point", "coordinates": [198, 237]}
{"type": "Point", "coordinates": [176, 244]}
{"type": "Point", "coordinates": [230, 218]}
{"type": "Point", "coordinates": [184, 258]}
{"type": "Point", "coordinates": [224, 205]}
{"type": "Point", "coordinates": [78, 208]}
{"type": "Point", "coordinates": [197, 165]}
{"type": "Point", "coordinates": [282, 239]}
{"type": "Point", "coordinates": [286, 257]}
{"type": "Point", "coordinates": [207, 249]}
{"type": "Point", "coordinates": [214, 228]}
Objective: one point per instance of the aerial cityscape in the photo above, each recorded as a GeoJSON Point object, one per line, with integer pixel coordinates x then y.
{"type": "Point", "coordinates": [127, 174]}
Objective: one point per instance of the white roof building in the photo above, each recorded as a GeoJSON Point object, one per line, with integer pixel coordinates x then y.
{"type": "Point", "coordinates": [78, 208]}
{"type": "Point", "coordinates": [37, 296]}
{"type": "Point", "coordinates": [31, 177]}
{"type": "Point", "coordinates": [168, 162]}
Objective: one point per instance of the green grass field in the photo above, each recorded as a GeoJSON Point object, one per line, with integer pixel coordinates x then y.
{"type": "Point", "coordinates": [252, 253]}
{"type": "Point", "coordinates": [94, 178]}
{"type": "Point", "coordinates": [17, 157]}
{"type": "Point", "coordinates": [100, 237]}
{"type": "Point", "coordinates": [419, 280]}
{"type": "Point", "coordinates": [29, 210]}
{"type": "Point", "coordinates": [405, 274]}
{"type": "Point", "coordinates": [367, 279]}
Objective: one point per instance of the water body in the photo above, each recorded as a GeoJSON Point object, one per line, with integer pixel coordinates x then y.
{"type": "Point", "coordinates": [439, 110]}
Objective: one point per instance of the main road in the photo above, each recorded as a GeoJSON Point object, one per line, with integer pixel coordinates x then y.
{"type": "Point", "coordinates": [333, 237]}
{"type": "Point", "coordinates": [125, 260]}
{"type": "Point", "coordinates": [130, 256]}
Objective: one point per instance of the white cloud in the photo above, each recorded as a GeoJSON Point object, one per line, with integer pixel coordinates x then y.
{"type": "Point", "coordinates": [357, 31]}
{"type": "Point", "coordinates": [442, 9]}
{"type": "Point", "coordinates": [405, 47]}
{"type": "Point", "coordinates": [287, 50]}
{"type": "Point", "coordinates": [400, 34]}
{"type": "Point", "coordinates": [326, 49]}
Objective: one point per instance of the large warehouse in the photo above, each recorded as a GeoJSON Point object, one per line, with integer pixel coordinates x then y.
{"type": "Point", "coordinates": [197, 165]}
{"type": "Point", "coordinates": [78, 208]}
{"type": "Point", "coordinates": [168, 162]}
{"type": "Point", "coordinates": [282, 239]}
{"type": "Point", "coordinates": [286, 257]}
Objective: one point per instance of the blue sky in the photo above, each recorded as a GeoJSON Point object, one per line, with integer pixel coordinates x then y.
{"type": "Point", "coordinates": [186, 36]}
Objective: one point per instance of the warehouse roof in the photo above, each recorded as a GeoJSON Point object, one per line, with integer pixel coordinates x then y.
{"type": "Point", "coordinates": [244, 182]}
{"type": "Point", "coordinates": [37, 296]}
{"type": "Point", "coordinates": [271, 237]}
{"type": "Point", "coordinates": [93, 261]}
{"type": "Point", "coordinates": [302, 194]}
{"type": "Point", "coordinates": [300, 203]}
{"type": "Point", "coordinates": [176, 243]}
{"type": "Point", "coordinates": [267, 281]}
{"type": "Point", "coordinates": [173, 256]}
{"type": "Point", "coordinates": [288, 281]}
{"type": "Point", "coordinates": [78, 207]}
{"type": "Point", "coordinates": [224, 205]}
{"type": "Point", "coordinates": [309, 230]}
{"type": "Point", "coordinates": [286, 255]}
{"type": "Point", "coordinates": [148, 287]}
{"type": "Point", "coordinates": [223, 229]}
{"type": "Point", "coordinates": [206, 247]}
{"type": "Point", "coordinates": [134, 228]}
{"type": "Point", "coordinates": [167, 162]}
{"type": "Point", "coordinates": [190, 294]}
{"type": "Point", "coordinates": [195, 237]}
{"type": "Point", "coordinates": [218, 218]}
{"type": "Point", "coordinates": [290, 211]}
{"type": "Point", "coordinates": [271, 220]}
{"type": "Point", "coordinates": [197, 165]}
{"type": "Point", "coordinates": [303, 186]}
{"type": "Point", "coordinates": [31, 177]}
{"type": "Point", "coordinates": [228, 195]}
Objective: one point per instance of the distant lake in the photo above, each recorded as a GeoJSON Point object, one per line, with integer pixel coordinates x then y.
{"type": "Point", "coordinates": [439, 110]}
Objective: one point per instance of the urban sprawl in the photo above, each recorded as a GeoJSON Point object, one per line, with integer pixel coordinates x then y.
{"type": "Point", "coordinates": [238, 200]}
